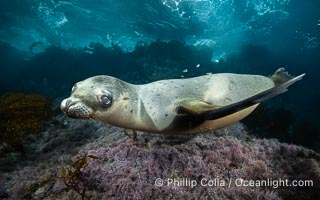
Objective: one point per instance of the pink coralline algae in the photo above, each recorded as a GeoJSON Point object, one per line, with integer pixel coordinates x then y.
{"type": "Point", "coordinates": [215, 165]}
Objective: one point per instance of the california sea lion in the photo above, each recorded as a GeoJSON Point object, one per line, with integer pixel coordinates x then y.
{"type": "Point", "coordinates": [176, 106]}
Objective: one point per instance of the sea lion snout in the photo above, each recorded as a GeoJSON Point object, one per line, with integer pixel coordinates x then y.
{"type": "Point", "coordinates": [65, 105]}
{"type": "Point", "coordinates": [75, 109]}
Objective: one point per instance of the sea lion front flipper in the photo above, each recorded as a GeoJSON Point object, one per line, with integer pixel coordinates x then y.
{"type": "Point", "coordinates": [190, 106]}
{"type": "Point", "coordinates": [258, 98]}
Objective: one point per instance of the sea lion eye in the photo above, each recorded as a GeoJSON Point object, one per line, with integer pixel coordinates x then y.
{"type": "Point", "coordinates": [106, 100]}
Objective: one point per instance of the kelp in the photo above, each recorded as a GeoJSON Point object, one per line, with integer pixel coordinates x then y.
{"type": "Point", "coordinates": [21, 118]}
{"type": "Point", "coordinates": [73, 175]}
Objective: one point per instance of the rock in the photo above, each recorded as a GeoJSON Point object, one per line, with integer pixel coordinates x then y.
{"type": "Point", "coordinates": [217, 162]}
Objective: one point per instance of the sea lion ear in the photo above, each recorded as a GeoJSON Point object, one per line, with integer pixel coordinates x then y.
{"type": "Point", "coordinates": [190, 106]}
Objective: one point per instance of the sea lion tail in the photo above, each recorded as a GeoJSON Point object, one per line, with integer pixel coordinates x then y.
{"type": "Point", "coordinates": [279, 88]}
{"type": "Point", "coordinates": [281, 76]}
{"type": "Point", "coordinates": [282, 80]}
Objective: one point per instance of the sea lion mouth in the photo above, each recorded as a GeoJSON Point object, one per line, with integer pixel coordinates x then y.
{"type": "Point", "coordinates": [76, 110]}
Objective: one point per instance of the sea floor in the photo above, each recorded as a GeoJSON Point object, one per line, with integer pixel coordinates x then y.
{"type": "Point", "coordinates": [77, 159]}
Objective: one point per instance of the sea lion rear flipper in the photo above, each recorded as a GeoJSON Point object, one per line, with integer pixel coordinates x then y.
{"type": "Point", "coordinates": [190, 106]}
{"type": "Point", "coordinates": [258, 98]}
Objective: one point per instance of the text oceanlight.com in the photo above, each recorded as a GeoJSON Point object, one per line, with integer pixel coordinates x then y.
{"type": "Point", "coordinates": [239, 182]}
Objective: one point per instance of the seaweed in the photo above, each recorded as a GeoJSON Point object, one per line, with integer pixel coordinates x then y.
{"type": "Point", "coordinates": [21, 118]}
{"type": "Point", "coordinates": [74, 175]}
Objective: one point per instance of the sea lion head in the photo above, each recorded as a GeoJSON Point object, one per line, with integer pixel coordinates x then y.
{"type": "Point", "coordinates": [93, 96]}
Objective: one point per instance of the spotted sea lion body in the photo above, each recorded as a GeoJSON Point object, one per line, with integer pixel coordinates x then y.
{"type": "Point", "coordinates": [174, 106]}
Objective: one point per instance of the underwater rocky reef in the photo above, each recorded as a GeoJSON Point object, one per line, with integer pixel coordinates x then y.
{"type": "Point", "coordinates": [75, 159]}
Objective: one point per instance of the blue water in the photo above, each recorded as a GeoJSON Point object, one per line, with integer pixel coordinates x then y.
{"type": "Point", "coordinates": [48, 45]}
{"type": "Point", "coordinates": [222, 25]}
